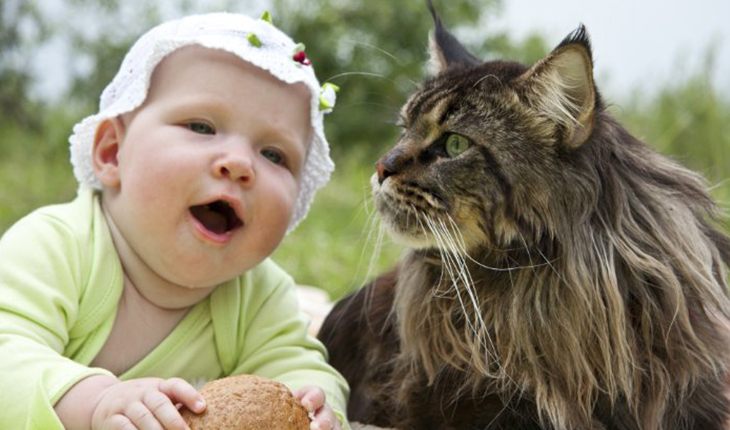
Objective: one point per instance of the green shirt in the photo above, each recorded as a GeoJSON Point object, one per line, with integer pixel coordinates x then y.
{"type": "Point", "coordinates": [60, 284]}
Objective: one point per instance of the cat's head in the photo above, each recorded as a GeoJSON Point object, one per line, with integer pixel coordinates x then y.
{"type": "Point", "coordinates": [487, 147]}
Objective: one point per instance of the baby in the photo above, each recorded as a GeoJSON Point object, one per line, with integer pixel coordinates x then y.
{"type": "Point", "coordinates": [207, 149]}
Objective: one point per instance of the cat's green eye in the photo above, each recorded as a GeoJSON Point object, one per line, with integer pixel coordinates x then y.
{"type": "Point", "coordinates": [456, 144]}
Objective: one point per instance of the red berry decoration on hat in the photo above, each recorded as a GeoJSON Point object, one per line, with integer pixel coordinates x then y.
{"type": "Point", "coordinates": [300, 56]}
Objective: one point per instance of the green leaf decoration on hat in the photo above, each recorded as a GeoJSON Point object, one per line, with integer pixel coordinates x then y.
{"type": "Point", "coordinates": [327, 97]}
{"type": "Point", "coordinates": [253, 40]}
{"type": "Point", "coordinates": [266, 16]}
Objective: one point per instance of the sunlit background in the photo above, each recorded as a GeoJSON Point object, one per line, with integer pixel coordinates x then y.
{"type": "Point", "coordinates": [664, 67]}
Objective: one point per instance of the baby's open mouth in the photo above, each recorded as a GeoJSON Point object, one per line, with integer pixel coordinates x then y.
{"type": "Point", "coordinates": [218, 216]}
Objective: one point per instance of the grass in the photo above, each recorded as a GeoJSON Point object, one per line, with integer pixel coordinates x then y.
{"type": "Point", "coordinates": [34, 168]}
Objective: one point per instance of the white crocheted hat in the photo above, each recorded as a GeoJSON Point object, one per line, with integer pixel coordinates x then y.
{"type": "Point", "coordinates": [256, 41]}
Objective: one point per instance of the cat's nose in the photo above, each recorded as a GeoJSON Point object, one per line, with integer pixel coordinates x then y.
{"type": "Point", "coordinates": [392, 163]}
{"type": "Point", "coordinates": [383, 171]}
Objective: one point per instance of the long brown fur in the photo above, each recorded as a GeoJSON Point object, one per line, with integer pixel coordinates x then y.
{"type": "Point", "coordinates": [563, 274]}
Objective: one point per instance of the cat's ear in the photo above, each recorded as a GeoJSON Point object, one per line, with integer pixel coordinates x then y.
{"type": "Point", "coordinates": [445, 50]}
{"type": "Point", "coordinates": [561, 86]}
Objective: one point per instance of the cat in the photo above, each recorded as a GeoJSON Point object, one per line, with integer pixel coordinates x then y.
{"type": "Point", "coordinates": [559, 273]}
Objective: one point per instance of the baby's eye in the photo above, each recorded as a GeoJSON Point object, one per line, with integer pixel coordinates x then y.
{"type": "Point", "coordinates": [200, 127]}
{"type": "Point", "coordinates": [273, 155]}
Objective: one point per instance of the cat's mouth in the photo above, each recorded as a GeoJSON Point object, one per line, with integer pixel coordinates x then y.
{"type": "Point", "coordinates": [409, 197]}
{"type": "Point", "coordinates": [408, 213]}
{"type": "Point", "coordinates": [218, 217]}
{"type": "Point", "coordinates": [421, 217]}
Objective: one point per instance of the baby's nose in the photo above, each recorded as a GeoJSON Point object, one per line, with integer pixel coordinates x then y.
{"type": "Point", "coordinates": [237, 167]}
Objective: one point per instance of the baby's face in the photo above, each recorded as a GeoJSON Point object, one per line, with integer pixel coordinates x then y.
{"type": "Point", "coordinates": [209, 167]}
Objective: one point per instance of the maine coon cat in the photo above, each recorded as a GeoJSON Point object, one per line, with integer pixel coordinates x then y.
{"type": "Point", "coordinates": [561, 274]}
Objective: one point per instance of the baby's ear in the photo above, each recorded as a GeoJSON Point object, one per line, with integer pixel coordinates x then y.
{"type": "Point", "coordinates": [108, 137]}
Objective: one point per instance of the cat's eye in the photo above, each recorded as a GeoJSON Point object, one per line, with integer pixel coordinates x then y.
{"type": "Point", "coordinates": [456, 144]}
{"type": "Point", "coordinates": [200, 127]}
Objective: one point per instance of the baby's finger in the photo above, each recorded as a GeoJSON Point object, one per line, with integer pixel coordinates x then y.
{"type": "Point", "coordinates": [141, 416]}
{"type": "Point", "coordinates": [179, 390]}
{"type": "Point", "coordinates": [164, 411]}
{"type": "Point", "coordinates": [325, 419]}
{"type": "Point", "coordinates": [312, 398]}
{"type": "Point", "coordinates": [118, 422]}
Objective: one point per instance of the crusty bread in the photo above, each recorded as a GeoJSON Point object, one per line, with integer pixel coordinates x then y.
{"type": "Point", "coordinates": [247, 402]}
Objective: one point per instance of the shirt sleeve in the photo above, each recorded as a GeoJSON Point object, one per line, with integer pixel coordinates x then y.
{"type": "Point", "coordinates": [277, 345]}
{"type": "Point", "coordinates": [39, 300]}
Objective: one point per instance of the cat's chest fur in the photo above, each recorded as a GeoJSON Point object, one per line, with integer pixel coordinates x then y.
{"type": "Point", "coordinates": [384, 393]}
{"type": "Point", "coordinates": [366, 342]}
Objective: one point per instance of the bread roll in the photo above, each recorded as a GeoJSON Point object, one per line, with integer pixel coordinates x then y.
{"type": "Point", "coordinates": [247, 402]}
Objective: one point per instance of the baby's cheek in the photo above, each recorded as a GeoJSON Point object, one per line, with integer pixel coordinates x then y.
{"type": "Point", "coordinates": [286, 200]}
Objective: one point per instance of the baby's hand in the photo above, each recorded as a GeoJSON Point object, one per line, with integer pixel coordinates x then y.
{"type": "Point", "coordinates": [322, 415]}
{"type": "Point", "coordinates": [145, 403]}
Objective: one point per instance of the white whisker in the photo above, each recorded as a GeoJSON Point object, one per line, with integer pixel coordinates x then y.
{"type": "Point", "coordinates": [343, 74]}
{"type": "Point", "coordinates": [459, 247]}
{"type": "Point", "coordinates": [548, 262]}
{"type": "Point", "coordinates": [527, 249]}
{"type": "Point", "coordinates": [377, 48]}
{"type": "Point", "coordinates": [458, 271]}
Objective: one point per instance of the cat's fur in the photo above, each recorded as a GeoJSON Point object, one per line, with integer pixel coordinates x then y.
{"type": "Point", "coordinates": [562, 274]}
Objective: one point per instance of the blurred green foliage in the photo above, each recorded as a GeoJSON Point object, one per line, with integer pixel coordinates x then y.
{"type": "Point", "coordinates": [688, 119]}
{"type": "Point", "coordinates": [375, 54]}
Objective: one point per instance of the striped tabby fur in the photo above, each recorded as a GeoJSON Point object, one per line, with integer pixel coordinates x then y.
{"type": "Point", "coordinates": [561, 273]}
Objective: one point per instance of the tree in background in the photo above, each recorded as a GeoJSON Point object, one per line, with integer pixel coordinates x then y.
{"type": "Point", "coordinates": [21, 25]}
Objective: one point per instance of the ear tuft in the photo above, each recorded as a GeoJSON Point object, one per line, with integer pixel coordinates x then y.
{"type": "Point", "coordinates": [578, 36]}
{"type": "Point", "coordinates": [561, 86]}
{"type": "Point", "coordinates": [445, 50]}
